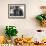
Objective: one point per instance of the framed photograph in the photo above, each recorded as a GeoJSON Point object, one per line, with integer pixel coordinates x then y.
{"type": "Point", "coordinates": [16, 10]}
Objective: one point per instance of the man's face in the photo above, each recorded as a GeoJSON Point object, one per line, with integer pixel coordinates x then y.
{"type": "Point", "coordinates": [17, 7]}
{"type": "Point", "coordinates": [44, 10]}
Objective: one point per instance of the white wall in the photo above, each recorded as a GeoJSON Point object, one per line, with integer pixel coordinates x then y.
{"type": "Point", "coordinates": [25, 26]}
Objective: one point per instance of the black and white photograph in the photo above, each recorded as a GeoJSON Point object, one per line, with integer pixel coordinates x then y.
{"type": "Point", "coordinates": [16, 10]}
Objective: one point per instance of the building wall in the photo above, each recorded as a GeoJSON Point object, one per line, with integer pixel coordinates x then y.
{"type": "Point", "coordinates": [27, 26]}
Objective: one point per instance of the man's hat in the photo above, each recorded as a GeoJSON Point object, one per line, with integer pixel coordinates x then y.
{"type": "Point", "coordinates": [42, 7]}
{"type": "Point", "coordinates": [16, 6]}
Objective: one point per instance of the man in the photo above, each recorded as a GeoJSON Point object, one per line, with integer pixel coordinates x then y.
{"type": "Point", "coordinates": [18, 11]}
{"type": "Point", "coordinates": [42, 17]}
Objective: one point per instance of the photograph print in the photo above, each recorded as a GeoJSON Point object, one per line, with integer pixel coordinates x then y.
{"type": "Point", "coordinates": [16, 11]}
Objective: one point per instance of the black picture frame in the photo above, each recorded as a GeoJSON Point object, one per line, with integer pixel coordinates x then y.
{"type": "Point", "coordinates": [12, 11]}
